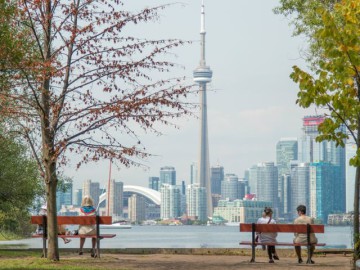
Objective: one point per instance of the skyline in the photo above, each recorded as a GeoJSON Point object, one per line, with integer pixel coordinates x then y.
{"type": "Point", "coordinates": [251, 102]}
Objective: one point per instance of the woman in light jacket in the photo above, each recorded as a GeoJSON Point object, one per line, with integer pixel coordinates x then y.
{"type": "Point", "coordinates": [268, 237]}
{"type": "Point", "coordinates": [87, 209]}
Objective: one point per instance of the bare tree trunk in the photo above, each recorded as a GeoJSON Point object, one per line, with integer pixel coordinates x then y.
{"type": "Point", "coordinates": [53, 251]}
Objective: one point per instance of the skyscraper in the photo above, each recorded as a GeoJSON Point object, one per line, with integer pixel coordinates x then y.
{"type": "Point", "coordinates": [216, 177]}
{"type": "Point", "coordinates": [202, 76]}
{"type": "Point", "coordinates": [193, 173]}
{"type": "Point", "coordinates": [170, 201]}
{"type": "Point", "coordinates": [92, 189]}
{"type": "Point", "coordinates": [230, 187]}
{"type": "Point", "coordinates": [196, 202]}
{"type": "Point", "coordinates": [267, 183]}
{"type": "Point", "coordinates": [116, 198]}
{"type": "Point", "coordinates": [300, 187]}
{"type": "Point", "coordinates": [167, 176]}
{"type": "Point", "coordinates": [154, 183]}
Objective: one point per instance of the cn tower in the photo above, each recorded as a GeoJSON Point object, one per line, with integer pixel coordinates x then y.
{"type": "Point", "coordinates": [202, 76]}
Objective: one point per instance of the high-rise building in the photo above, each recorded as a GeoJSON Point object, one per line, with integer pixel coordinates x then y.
{"type": "Point", "coordinates": [230, 187]}
{"type": "Point", "coordinates": [300, 187]}
{"type": "Point", "coordinates": [154, 183]}
{"type": "Point", "coordinates": [267, 183]}
{"type": "Point", "coordinates": [64, 196]}
{"type": "Point", "coordinates": [322, 199]}
{"type": "Point", "coordinates": [167, 176]}
{"type": "Point", "coordinates": [196, 202]}
{"type": "Point", "coordinates": [312, 151]}
{"type": "Point", "coordinates": [216, 176]}
{"type": "Point", "coordinates": [193, 173]}
{"type": "Point", "coordinates": [116, 198]}
{"type": "Point", "coordinates": [286, 151]}
{"type": "Point", "coordinates": [77, 197]}
{"type": "Point", "coordinates": [136, 208]}
{"type": "Point", "coordinates": [202, 76]}
{"type": "Point", "coordinates": [92, 189]}
{"type": "Point", "coordinates": [252, 182]}
{"type": "Point", "coordinates": [170, 201]}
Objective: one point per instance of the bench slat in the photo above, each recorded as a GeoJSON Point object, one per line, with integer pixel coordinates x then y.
{"type": "Point", "coordinates": [278, 244]}
{"type": "Point", "coordinates": [80, 220]}
{"type": "Point", "coordinates": [282, 228]}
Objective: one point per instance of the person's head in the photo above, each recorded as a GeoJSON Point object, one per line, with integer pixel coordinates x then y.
{"type": "Point", "coordinates": [268, 211]}
{"type": "Point", "coordinates": [87, 201]}
{"type": "Point", "coordinates": [301, 209]}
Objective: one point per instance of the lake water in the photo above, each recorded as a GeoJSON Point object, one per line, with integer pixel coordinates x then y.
{"type": "Point", "coordinates": [190, 237]}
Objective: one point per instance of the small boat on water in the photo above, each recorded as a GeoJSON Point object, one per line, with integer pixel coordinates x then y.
{"type": "Point", "coordinates": [116, 226]}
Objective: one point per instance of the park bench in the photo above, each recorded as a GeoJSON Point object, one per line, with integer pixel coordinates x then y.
{"type": "Point", "coordinates": [280, 228]}
{"type": "Point", "coordinates": [74, 220]}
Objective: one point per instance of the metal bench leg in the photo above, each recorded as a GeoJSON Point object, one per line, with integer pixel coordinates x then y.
{"type": "Point", "coordinates": [308, 255]}
{"type": "Point", "coordinates": [253, 243]}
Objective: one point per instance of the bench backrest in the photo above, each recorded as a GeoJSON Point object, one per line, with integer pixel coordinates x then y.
{"type": "Point", "coordinates": [281, 228]}
{"type": "Point", "coordinates": [80, 220]}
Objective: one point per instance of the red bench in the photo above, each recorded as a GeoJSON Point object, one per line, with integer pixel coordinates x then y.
{"type": "Point", "coordinates": [74, 220]}
{"type": "Point", "coordinates": [280, 228]}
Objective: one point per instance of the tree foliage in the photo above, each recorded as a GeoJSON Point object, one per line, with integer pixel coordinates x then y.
{"type": "Point", "coordinates": [19, 185]}
{"type": "Point", "coordinates": [334, 82]}
{"type": "Point", "coordinates": [85, 85]}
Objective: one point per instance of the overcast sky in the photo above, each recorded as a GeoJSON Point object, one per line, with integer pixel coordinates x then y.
{"type": "Point", "coordinates": [251, 104]}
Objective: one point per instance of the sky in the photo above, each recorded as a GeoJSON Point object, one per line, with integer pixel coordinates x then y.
{"type": "Point", "coordinates": [251, 101]}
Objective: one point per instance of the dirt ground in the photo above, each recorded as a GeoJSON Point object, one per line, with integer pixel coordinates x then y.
{"type": "Point", "coordinates": [215, 262]}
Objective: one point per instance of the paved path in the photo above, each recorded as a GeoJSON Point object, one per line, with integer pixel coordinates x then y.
{"type": "Point", "coordinates": [214, 262]}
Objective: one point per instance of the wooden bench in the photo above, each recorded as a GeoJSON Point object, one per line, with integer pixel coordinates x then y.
{"type": "Point", "coordinates": [280, 228]}
{"type": "Point", "coordinates": [74, 220]}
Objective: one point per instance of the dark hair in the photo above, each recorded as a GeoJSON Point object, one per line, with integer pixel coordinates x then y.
{"type": "Point", "coordinates": [268, 210]}
{"type": "Point", "coordinates": [301, 208]}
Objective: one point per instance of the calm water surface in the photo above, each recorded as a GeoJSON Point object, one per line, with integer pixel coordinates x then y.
{"type": "Point", "coordinates": [190, 237]}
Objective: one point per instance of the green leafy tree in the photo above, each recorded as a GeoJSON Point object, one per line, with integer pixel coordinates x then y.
{"type": "Point", "coordinates": [334, 80]}
{"type": "Point", "coordinates": [19, 185]}
{"type": "Point", "coordinates": [85, 85]}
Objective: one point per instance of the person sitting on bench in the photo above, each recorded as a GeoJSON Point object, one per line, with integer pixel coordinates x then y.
{"type": "Point", "coordinates": [268, 237]}
{"type": "Point", "coordinates": [301, 238]}
{"type": "Point", "coordinates": [61, 228]}
{"type": "Point", "coordinates": [87, 209]}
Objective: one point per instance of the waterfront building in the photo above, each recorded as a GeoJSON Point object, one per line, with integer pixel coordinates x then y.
{"type": "Point", "coordinates": [92, 189]}
{"type": "Point", "coordinates": [230, 187]}
{"type": "Point", "coordinates": [252, 182]}
{"type": "Point", "coordinates": [202, 75]}
{"type": "Point", "coordinates": [216, 177]}
{"type": "Point", "coordinates": [136, 208]}
{"type": "Point", "coordinates": [77, 197]}
{"type": "Point", "coordinates": [196, 202]}
{"type": "Point", "coordinates": [286, 197]}
{"type": "Point", "coordinates": [167, 175]}
{"type": "Point", "coordinates": [267, 183]}
{"type": "Point", "coordinates": [154, 183]}
{"type": "Point", "coordinates": [193, 173]}
{"type": "Point", "coordinates": [170, 201]}
{"type": "Point", "coordinates": [286, 151]}
{"type": "Point", "coordinates": [322, 190]}
{"type": "Point", "coordinates": [241, 211]}
{"type": "Point", "coordinates": [115, 203]}
{"type": "Point", "coordinates": [327, 152]}
{"type": "Point", "coordinates": [64, 196]}
{"type": "Point", "coordinates": [300, 187]}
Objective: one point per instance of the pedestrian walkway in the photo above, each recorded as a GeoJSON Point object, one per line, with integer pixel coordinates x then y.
{"type": "Point", "coordinates": [215, 262]}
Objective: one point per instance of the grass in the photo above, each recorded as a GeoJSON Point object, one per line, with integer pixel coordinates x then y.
{"type": "Point", "coordinates": [23, 259]}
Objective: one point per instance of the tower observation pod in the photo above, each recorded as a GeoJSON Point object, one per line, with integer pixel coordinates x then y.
{"type": "Point", "coordinates": [202, 75]}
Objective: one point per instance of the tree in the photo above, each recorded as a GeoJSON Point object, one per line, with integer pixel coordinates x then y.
{"type": "Point", "coordinates": [20, 184]}
{"type": "Point", "coordinates": [86, 85]}
{"type": "Point", "coordinates": [334, 82]}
